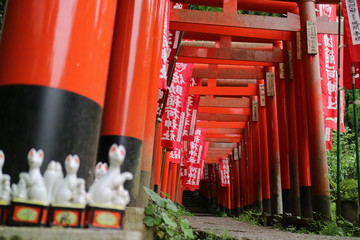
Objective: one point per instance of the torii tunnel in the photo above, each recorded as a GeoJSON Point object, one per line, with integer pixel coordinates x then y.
{"type": "Point", "coordinates": [77, 76]}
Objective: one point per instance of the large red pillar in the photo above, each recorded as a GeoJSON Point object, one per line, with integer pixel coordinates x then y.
{"type": "Point", "coordinates": [149, 134]}
{"type": "Point", "coordinates": [236, 170]}
{"type": "Point", "coordinates": [302, 134]}
{"type": "Point", "coordinates": [292, 120]}
{"type": "Point", "coordinates": [265, 179]}
{"type": "Point", "coordinates": [129, 75]}
{"type": "Point", "coordinates": [257, 204]}
{"type": "Point", "coordinates": [318, 161]}
{"type": "Point", "coordinates": [54, 60]}
{"type": "Point", "coordinates": [283, 134]}
{"type": "Point", "coordinates": [250, 165]}
{"type": "Point", "coordinates": [273, 141]}
{"type": "Point", "coordinates": [243, 175]}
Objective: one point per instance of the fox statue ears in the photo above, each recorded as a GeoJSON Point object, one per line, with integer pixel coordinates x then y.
{"type": "Point", "coordinates": [101, 165]}
{"type": "Point", "coordinates": [75, 157]}
{"type": "Point", "coordinates": [32, 153]}
{"type": "Point", "coordinates": [2, 155]}
{"type": "Point", "coordinates": [119, 148]}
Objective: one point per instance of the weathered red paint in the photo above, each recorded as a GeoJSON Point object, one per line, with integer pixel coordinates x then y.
{"type": "Point", "coordinates": [274, 152]}
{"type": "Point", "coordinates": [237, 54]}
{"type": "Point", "coordinates": [318, 161]}
{"type": "Point", "coordinates": [265, 178]}
{"type": "Point", "coordinates": [292, 123]}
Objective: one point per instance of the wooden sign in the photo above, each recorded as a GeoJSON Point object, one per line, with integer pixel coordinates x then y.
{"type": "Point", "coordinates": [291, 70]}
{"type": "Point", "coordinates": [262, 95]}
{"type": "Point", "coordinates": [282, 70]}
{"type": "Point", "coordinates": [255, 112]}
{"type": "Point", "coordinates": [311, 38]}
{"type": "Point", "coordinates": [270, 84]}
{"type": "Point", "coordinates": [298, 46]}
{"type": "Point", "coordinates": [236, 154]}
{"type": "Point", "coordinates": [240, 151]}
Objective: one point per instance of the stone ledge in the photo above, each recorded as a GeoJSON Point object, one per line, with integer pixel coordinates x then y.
{"type": "Point", "coordinates": [133, 221]}
{"type": "Point", "coordinates": [37, 233]}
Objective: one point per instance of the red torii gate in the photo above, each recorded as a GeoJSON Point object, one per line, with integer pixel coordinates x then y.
{"type": "Point", "coordinates": [130, 103]}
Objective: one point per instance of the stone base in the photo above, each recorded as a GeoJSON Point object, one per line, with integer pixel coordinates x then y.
{"type": "Point", "coordinates": [103, 217]}
{"type": "Point", "coordinates": [27, 213]}
{"type": "Point", "coordinates": [66, 216]}
{"type": "Point", "coordinates": [27, 233]}
{"type": "Point", "coordinates": [133, 221]}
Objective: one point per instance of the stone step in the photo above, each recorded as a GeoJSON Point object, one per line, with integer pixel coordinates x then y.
{"type": "Point", "coordinates": [31, 233]}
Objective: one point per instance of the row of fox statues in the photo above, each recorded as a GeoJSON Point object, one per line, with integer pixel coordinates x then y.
{"type": "Point", "coordinates": [56, 189]}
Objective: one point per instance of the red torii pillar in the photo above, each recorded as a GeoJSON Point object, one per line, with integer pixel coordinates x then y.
{"type": "Point", "coordinates": [242, 172]}
{"type": "Point", "coordinates": [273, 141]}
{"type": "Point", "coordinates": [318, 161]}
{"type": "Point", "coordinates": [54, 60]}
{"type": "Point", "coordinates": [291, 116]}
{"type": "Point", "coordinates": [129, 75]}
{"type": "Point", "coordinates": [257, 204]}
{"type": "Point", "coordinates": [283, 134]}
{"type": "Point", "coordinates": [265, 179]}
{"type": "Point", "coordinates": [250, 166]}
{"type": "Point", "coordinates": [236, 171]}
{"type": "Point", "coordinates": [149, 135]}
{"type": "Point", "coordinates": [302, 133]}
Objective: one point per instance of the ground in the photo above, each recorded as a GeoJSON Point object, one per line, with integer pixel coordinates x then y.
{"type": "Point", "coordinates": [246, 231]}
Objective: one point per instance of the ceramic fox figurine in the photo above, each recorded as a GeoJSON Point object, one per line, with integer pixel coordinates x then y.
{"type": "Point", "coordinates": [101, 170]}
{"type": "Point", "coordinates": [5, 190]}
{"type": "Point", "coordinates": [53, 177]}
{"type": "Point", "coordinates": [109, 189]}
{"type": "Point", "coordinates": [31, 184]}
{"type": "Point", "coordinates": [68, 191]}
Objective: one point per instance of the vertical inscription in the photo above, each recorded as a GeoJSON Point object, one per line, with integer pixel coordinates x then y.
{"type": "Point", "coordinates": [255, 112]}
{"type": "Point", "coordinates": [262, 95]}
{"type": "Point", "coordinates": [311, 35]}
{"type": "Point", "coordinates": [298, 46]}
{"type": "Point", "coordinates": [270, 84]}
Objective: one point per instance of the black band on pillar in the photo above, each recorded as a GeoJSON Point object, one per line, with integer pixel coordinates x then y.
{"type": "Point", "coordinates": [57, 121]}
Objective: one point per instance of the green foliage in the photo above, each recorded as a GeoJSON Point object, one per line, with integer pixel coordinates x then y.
{"type": "Point", "coordinates": [259, 13]}
{"type": "Point", "coordinates": [213, 235]}
{"type": "Point", "coordinates": [349, 190]}
{"type": "Point", "coordinates": [349, 109]}
{"type": "Point", "coordinates": [205, 8]}
{"type": "Point", "coordinates": [165, 217]}
{"type": "Point", "coordinates": [348, 186]}
{"type": "Point", "coordinates": [252, 217]}
{"type": "Point", "coordinates": [341, 227]}
{"type": "Point", "coordinates": [219, 9]}
{"type": "Point", "coordinates": [331, 229]}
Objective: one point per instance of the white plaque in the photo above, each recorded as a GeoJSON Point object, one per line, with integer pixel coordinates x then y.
{"type": "Point", "coordinates": [262, 95]}
{"type": "Point", "coordinates": [282, 70]}
{"type": "Point", "coordinates": [298, 46]}
{"type": "Point", "coordinates": [270, 84]}
{"type": "Point", "coordinates": [236, 154]}
{"type": "Point", "coordinates": [255, 112]}
{"type": "Point", "coordinates": [311, 37]}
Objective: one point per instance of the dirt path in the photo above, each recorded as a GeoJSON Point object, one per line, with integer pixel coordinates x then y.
{"type": "Point", "coordinates": [245, 231]}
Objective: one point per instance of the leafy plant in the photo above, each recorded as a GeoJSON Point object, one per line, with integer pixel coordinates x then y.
{"type": "Point", "coordinates": [348, 185]}
{"type": "Point", "coordinates": [349, 190]}
{"type": "Point", "coordinates": [165, 217]}
{"type": "Point", "coordinates": [332, 229]}
{"type": "Point", "coordinates": [251, 217]}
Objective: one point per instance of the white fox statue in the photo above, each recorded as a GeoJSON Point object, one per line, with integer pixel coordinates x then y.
{"type": "Point", "coordinates": [108, 187]}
